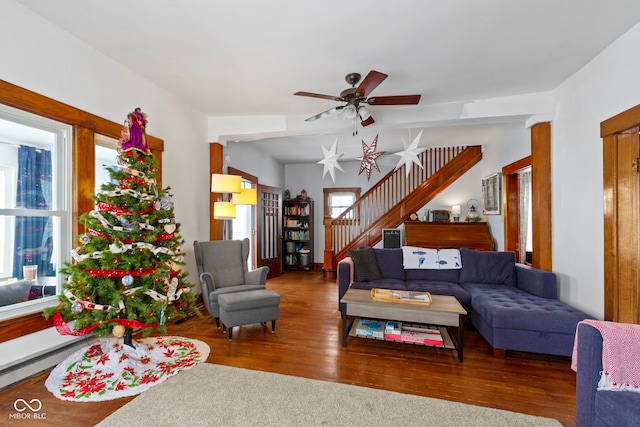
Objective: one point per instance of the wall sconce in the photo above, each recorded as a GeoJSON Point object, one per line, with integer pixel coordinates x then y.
{"type": "Point", "coordinates": [455, 212]}
{"type": "Point", "coordinates": [221, 183]}
{"type": "Point", "coordinates": [224, 184]}
{"type": "Point", "coordinates": [246, 196]}
{"type": "Point", "coordinates": [224, 210]}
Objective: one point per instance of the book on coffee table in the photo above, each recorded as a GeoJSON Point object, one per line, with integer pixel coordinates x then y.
{"type": "Point", "coordinates": [370, 328]}
{"type": "Point", "coordinates": [417, 335]}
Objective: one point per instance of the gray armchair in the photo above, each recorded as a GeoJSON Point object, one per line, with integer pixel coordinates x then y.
{"type": "Point", "coordinates": [222, 267]}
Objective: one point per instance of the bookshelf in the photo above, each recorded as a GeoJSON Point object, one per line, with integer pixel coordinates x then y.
{"type": "Point", "coordinates": [297, 227]}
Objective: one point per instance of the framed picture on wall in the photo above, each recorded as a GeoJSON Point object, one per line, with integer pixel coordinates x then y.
{"type": "Point", "coordinates": [491, 194]}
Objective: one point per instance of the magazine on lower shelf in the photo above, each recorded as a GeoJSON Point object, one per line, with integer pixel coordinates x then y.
{"type": "Point", "coordinates": [413, 334]}
{"type": "Point", "coordinates": [370, 328]}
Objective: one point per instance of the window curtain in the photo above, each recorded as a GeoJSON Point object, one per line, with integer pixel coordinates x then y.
{"type": "Point", "coordinates": [525, 191]}
{"type": "Point", "coordinates": [34, 234]}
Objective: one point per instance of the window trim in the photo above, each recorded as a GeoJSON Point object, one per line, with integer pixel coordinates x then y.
{"type": "Point", "coordinates": [84, 126]}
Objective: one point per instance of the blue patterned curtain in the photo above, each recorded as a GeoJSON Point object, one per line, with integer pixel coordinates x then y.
{"type": "Point", "coordinates": [34, 235]}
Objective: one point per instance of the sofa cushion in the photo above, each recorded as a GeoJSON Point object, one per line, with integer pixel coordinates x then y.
{"type": "Point", "coordinates": [618, 408]}
{"type": "Point", "coordinates": [498, 268]}
{"type": "Point", "coordinates": [390, 262]}
{"type": "Point", "coordinates": [366, 264]}
{"type": "Point", "coordinates": [435, 287]}
{"type": "Point", "coordinates": [512, 308]}
{"type": "Point", "coordinates": [429, 258]}
{"type": "Point", "coordinates": [433, 275]}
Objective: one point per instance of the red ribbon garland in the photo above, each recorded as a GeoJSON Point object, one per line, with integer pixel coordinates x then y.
{"type": "Point", "coordinates": [110, 208]}
{"type": "Point", "coordinates": [63, 328]}
{"type": "Point", "coordinates": [121, 273]}
{"type": "Point", "coordinates": [159, 237]}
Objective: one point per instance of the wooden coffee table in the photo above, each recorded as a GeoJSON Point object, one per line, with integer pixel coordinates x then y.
{"type": "Point", "coordinates": [443, 311]}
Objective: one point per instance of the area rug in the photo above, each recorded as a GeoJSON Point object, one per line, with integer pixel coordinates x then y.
{"type": "Point", "coordinates": [109, 369]}
{"type": "Point", "coordinates": [215, 395]}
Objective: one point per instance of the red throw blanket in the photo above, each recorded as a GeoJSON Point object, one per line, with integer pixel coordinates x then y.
{"type": "Point", "coordinates": [620, 355]}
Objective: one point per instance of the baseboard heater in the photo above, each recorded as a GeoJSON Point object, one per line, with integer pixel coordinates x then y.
{"type": "Point", "coordinates": [13, 373]}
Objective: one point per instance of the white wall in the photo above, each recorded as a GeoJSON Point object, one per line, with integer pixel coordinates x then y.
{"type": "Point", "coordinates": [40, 57]}
{"type": "Point", "coordinates": [247, 158]}
{"type": "Point", "coordinates": [608, 85]}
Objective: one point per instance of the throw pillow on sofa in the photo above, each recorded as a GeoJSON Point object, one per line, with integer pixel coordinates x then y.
{"type": "Point", "coordinates": [498, 268]}
{"type": "Point", "coordinates": [366, 264]}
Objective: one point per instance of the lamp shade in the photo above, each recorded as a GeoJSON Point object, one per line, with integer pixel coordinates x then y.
{"type": "Point", "coordinates": [221, 183]}
{"type": "Point", "coordinates": [224, 210]}
{"type": "Point", "coordinates": [455, 210]}
{"type": "Point", "coordinates": [246, 196]}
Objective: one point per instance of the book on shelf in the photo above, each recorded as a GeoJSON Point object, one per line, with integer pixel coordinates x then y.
{"type": "Point", "coordinates": [370, 328]}
{"type": "Point", "coordinates": [419, 335]}
{"type": "Point", "coordinates": [393, 329]}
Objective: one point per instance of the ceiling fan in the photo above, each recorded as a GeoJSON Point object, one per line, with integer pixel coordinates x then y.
{"type": "Point", "coordinates": [355, 98]}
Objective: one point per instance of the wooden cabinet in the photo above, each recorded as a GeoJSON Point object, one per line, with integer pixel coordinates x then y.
{"type": "Point", "coordinates": [297, 227]}
{"type": "Point", "coordinates": [470, 235]}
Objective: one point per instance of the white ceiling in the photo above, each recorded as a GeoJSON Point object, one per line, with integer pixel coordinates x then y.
{"type": "Point", "coordinates": [248, 57]}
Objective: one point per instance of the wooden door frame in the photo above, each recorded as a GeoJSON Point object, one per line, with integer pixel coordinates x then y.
{"type": "Point", "coordinates": [540, 161]}
{"type": "Point", "coordinates": [511, 201]}
{"type": "Point", "coordinates": [624, 122]}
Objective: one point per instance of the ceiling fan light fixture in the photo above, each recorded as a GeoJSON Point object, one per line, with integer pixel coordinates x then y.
{"type": "Point", "coordinates": [350, 112]}
{"type": "Point", "coordinates": [364, 112]}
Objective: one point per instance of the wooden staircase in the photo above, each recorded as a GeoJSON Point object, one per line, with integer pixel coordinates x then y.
{"type": "Point", "coordinates": [389, 203]}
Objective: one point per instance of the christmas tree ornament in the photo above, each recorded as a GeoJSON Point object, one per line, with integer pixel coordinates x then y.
{"type": "Point", "coordinates": [127, 280]}
{"type": "Point", "coordinates": [170, 228]}
{"type": "Point", "coordinates": [77, 307]}
{"type": "Point", "coordinates": [118, 331]}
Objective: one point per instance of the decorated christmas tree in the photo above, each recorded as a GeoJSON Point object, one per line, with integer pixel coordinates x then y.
{"type": "Point", "coordinates": [126, 271]}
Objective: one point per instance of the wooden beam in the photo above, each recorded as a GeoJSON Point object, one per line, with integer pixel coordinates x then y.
{"type": "Point", "coordinates": [541, 195]}
{"type": "Point", "coordinates": [216, 157]}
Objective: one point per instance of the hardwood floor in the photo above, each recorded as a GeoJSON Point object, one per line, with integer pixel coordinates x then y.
{"type": "Point", "coordinates": [307, 344]}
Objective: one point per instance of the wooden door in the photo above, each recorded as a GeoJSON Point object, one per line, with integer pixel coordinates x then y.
{"type": "Point", "coordinates": [269, 231]}
{"type": "Point", "coordinates": [621, 182]}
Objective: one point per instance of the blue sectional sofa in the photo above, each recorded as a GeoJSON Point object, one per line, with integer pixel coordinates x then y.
{"type": "Point", "coordinates": [513, 306]}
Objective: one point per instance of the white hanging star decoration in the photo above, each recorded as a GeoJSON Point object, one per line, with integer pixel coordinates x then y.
{"type": "Point", "coordinates": [410, 155]}
{"type": "Point", "coordinates": [330, 161]}
{"type": "Point", "coordinates": [369, 156]}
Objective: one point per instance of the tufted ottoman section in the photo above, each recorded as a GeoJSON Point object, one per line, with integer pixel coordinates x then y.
{"type": "Point", "coordinates": [509, 317]}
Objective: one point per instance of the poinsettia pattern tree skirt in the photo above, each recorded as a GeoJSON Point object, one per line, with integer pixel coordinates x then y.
{"type": "Point", "coordinates": [109, 369]}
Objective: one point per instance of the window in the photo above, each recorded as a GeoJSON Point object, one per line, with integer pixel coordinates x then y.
{"type": "Point", "coordinates": [106, 157]}
{"type": "Point", "coordinates": [34, 209]}
{"type": "Point", "coordinates": [337, 200]}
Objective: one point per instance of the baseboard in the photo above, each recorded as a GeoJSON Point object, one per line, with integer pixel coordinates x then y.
{"type": "Point", "coordinates": [13, 373]}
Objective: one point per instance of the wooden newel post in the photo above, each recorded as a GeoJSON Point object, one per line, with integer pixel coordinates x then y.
{"type": "Point", "coordinates": [328, 270]}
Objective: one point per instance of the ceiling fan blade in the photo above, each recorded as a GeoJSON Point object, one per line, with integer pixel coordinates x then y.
{"type": "Point", "coordinates": [368, 121]}
{"type": "Point", "coordinates": [373, 79]}
{"type": "Point", "coordinates": [394, 100]}
{"type": "Point", "coordinates": [318, 95]}
{"type": "Point", "coordinates": [324, 113]}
